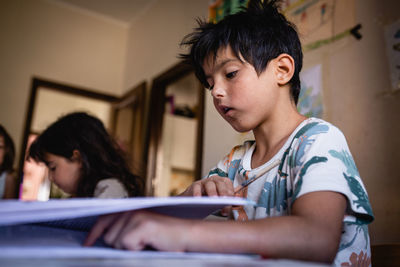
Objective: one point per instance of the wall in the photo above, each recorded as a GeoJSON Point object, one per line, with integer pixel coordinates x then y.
{"type": "Point", "coordinates": [43, 39]}
{"type": "Point", "coordinates": [356, 87]}
{"type": "Point", "coordinates": [154, 37]}
{"type": "Point", "coordinates": [356, 78]}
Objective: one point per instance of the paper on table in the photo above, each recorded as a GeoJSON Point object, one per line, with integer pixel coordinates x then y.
{"type": "Point", "coordinates": [19, 212]}
{"type": "Point", "coordinates": [19, 238]}
{"type": "Point", "coordinates": [35, 241]}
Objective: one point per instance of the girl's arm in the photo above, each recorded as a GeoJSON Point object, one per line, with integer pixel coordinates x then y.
{"type": "Point", "coordinates": [311, 233]}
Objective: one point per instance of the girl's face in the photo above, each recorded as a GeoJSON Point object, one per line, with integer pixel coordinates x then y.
{"type": "Point", "coordinates": [2, 149]}
{"type": "Point", "coordinates": [64, 172]}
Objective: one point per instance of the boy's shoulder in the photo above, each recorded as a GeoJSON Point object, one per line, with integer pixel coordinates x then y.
{"type": "Point", "coordinates": [316, 126]}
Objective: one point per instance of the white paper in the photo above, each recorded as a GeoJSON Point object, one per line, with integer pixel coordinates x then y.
{"type": "Point", "coordinates": [33, 241]}
{"type": "Point", "coordinates": [18, 212]}
{"type": "Point", "coordinates": [57, 228]}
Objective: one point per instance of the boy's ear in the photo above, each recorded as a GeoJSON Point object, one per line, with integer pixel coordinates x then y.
{"type": "Point", "coordinates": [284, 68]}
{"type": "Point", "coordinates": [76, 155]}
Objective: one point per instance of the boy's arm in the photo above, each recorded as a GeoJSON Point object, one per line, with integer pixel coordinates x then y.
{"type": "Point", "coordinates": [311, 233]}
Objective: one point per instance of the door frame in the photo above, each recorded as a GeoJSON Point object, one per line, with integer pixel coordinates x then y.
{"type": "Point", "coordinates": [134, 99]}
{"type": "Point", "coordinates": [155, 122]}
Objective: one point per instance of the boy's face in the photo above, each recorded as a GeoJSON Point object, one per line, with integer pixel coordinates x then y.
{"type": "Point", "coordinates": [242, 97]}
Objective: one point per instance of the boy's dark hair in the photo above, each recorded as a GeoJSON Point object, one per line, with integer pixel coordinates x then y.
{"type": "Point", "coordinates": [9, 151]}
{"type": "Point", "coordinates": [100, 154]}
{"type": "Point", "coordinates": [259, 33]}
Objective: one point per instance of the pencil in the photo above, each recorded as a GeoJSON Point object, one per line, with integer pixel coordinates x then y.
{"type": "Point", "coordinates": [260, 173]}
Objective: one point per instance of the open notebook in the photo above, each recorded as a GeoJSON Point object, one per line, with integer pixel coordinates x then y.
{"type": "Point", "coordinates": [57, 228]}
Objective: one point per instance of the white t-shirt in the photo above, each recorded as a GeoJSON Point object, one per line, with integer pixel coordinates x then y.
{"type": "Point", "coordinates": [315, 157]}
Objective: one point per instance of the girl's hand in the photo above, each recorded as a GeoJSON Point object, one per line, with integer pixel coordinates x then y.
{"type": "Point", "coordinates": [212, 186]}
{"type": "Point", "coordinates": [138, 229]}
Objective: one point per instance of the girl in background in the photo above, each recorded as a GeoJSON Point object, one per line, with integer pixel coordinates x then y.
{"type": "Point", "coordinates": [7, 155]}
{"type": "Point", "coordinates": [83, 159]}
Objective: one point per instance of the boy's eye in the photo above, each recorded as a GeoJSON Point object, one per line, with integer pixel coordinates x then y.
{"type": "Point", "coordinates": [210, 87]}
{"type": "Point", "coordinates": [232, 74]}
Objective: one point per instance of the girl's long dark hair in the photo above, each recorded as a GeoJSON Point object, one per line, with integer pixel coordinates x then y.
{"type": "Point", "coordinates": [9, 151]}
{"type": "Point", "coordinates": [101, 156]}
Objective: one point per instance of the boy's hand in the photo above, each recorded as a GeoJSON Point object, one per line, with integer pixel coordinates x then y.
{"type": "Point", "coordinates": [140, 229]}
{"type": "Point", "coordinates": [212, 186]}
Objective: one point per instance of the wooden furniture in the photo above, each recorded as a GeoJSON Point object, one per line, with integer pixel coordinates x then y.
{"type": "Point", "coordinates": [385, 255]}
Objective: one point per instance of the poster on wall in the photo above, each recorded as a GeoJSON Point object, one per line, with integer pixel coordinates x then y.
{"type": "Point", "coordinates": [392, 37]}
{"type": "Point", "coordinates": [310, 102]}
{"type": "Point", "coordinates": [218, 9]}
{"type": "Point", "coordinates": [316, 20]}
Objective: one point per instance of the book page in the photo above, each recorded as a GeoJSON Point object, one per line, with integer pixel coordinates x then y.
{"type": "Point", "coordinates": [19, 212]}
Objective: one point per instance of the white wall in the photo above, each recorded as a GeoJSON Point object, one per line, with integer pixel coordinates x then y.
{"type": "Point", "coordinates": [43, 39]}
{"type": "Point", "coordinates": [154, 37]}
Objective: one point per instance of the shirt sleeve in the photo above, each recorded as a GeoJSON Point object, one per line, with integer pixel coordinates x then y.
{"type": "Point", "coordinates": [110, 188]}
{"type": "Point", "coordinates": [322, 161]}
{"type": "Point", "coordinates": [228, 166]}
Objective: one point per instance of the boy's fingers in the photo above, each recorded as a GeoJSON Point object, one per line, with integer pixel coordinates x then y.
{"type": "Point", "coordinates": [210, 188]}
{"type": "Point", "coordinates": [225, 187]}
{"type": "Point", "coordinates": [98, 229]}
{"type": "Point", "coordinates": [117, 227]}
{"type": "Point", "coordinates": [238, 191]}
{"type": "Point", "coordinates": [197, 190]}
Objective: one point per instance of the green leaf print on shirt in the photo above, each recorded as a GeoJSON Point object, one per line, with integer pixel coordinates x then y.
{"type": "Point", "coordinates": [302, 130]}
{"type": "Point", "coordinates": [359, 228]}
{"type": "Point", "coordinates": [274, 195]}
{"type": "Point", "coordinates": [355, 186]}
{"type": "Point", "coordinates": [305, 141]}
{"type": "Point", "coordinates": [218, 172]}
{"type": "Point", "coordinates": [313, 160]}
{"type": "Point", "coordinates": [359, 192]}
{"type": "Point", "coordinates": [348, 161]}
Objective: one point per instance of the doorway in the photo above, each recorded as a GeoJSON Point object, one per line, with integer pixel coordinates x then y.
{"type": "Point", "coordinates": [121, 116]}
{"type": "Point", "coordinates": [175, 132]}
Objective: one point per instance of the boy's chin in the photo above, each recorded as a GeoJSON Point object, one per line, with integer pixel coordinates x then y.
{"type": "Point", "coordinates": [240, 128]}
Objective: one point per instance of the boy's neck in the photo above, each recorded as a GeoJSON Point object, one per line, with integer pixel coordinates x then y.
{"type": "Point", "coordinates": [273, 134]}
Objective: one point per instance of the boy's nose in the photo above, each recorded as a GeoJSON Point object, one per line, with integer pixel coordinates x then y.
{"type": "Point", "coordinates": [218, 91]}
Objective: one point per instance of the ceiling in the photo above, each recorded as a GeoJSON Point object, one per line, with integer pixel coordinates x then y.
{"type": "Point", "coordinates": [122, 11]}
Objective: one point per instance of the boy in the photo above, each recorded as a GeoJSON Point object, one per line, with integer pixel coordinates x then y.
{"type": "Point", "coordinates": [312, 204]}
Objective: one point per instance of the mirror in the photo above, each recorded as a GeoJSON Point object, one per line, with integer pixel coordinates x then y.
{"type": "Point", "coordinates": [175, 132]}
{"type": "Point", "coordinates": [49, 100]}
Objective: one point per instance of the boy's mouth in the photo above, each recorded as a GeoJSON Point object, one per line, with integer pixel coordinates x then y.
{"type": "Point", "coordinates": [225, 109]}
